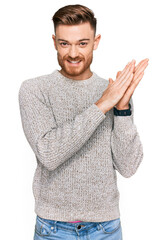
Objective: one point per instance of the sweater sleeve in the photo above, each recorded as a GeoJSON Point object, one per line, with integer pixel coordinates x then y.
{"type": "Point", "coordinates": [54, 144]}
{"type": "Point", "coordinates": [126, 147]}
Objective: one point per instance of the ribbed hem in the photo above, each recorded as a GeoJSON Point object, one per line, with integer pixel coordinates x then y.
{"type": "Point", "coordinates": [123, 123]}
{"type": "Point", "coordinates": [97, 109]}
{"type": "Point", "coordinates": [95, 116]}
{"type": "Point", "coordinates": [75, 221]}
{"type": "Point", "coordinates": [48, 212]}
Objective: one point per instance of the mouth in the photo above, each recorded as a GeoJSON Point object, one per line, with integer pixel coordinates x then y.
{"type": "Point", "coordinates": [74, 63]}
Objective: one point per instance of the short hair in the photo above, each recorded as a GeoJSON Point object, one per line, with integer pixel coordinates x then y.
{"type": "Point", "coordinates": [73, 15]}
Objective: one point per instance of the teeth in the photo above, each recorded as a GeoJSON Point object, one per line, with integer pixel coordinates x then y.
{"type": "Point", "coordinates": [74, 61]}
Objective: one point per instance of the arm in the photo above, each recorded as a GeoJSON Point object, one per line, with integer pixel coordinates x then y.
{"type": "Point", "coordinates": [126, 147]}
{"type": "Point", "coordinates": [54, 144]}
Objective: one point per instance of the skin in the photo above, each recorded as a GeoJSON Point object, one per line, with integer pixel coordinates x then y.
{"type": "Point", "coordinates": [72, 47]}
{"type": "Point", "coordinates": [138, 73]}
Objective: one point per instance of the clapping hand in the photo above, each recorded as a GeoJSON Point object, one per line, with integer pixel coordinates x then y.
{"type": "Point", "coordinates": [138, 73]}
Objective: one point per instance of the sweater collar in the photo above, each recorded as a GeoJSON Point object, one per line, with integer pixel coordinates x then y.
{"type": "Point", "coordinates": [76, 82]}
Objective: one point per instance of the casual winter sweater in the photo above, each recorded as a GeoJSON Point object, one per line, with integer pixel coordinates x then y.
{"type": "Point", "coordinates": [77, 147]}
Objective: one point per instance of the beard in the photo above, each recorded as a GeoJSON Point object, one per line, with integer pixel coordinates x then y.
{"type": "Point", "coordinates": [73, 71]}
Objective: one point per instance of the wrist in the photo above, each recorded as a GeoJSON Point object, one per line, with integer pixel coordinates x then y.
{"type": "Point", "coordinates": [123, 107]}
{"type": "Point", "coordinates": [101, 106]}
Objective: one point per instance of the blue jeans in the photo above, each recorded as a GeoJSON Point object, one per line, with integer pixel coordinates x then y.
{"type": "Point", "coordinates": [52, 230]}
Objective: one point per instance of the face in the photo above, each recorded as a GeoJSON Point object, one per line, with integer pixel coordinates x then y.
{"type": "Point", "coordinates": [75, 45]}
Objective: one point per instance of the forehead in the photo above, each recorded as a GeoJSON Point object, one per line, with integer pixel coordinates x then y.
{"type": "Point", "coordinates": [74, 32]}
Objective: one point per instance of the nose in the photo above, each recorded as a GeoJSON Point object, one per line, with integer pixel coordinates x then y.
{"type": "Point", "coordinates": [73, 51]}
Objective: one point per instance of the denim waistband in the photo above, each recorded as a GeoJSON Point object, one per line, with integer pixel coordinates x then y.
{"type": "Point", "coordinates": [71, 226]}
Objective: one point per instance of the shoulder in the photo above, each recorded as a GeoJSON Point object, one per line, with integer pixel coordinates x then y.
{"type": "Point", "coordinates": [36, 81]}
{"type": "Point", "coordinates": [102, 82]}
{"type": "Point", "coordinates": [36, 84]}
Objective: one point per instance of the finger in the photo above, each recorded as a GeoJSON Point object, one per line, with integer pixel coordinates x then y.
{"type": "Point", "coordinates": [144, 60]}
{"type": "Point", "coordinates": [134, 84]}
{"type": "Point", "coordinates": [123, 77]}
{"type": "Point", "coordinates": [111, 80]}
{"type": "Point", "coordinates": [140, 69]}
{"type": "Point", "coordinates": [130, 85]}
{"type": "Point", "coordinates": [141, 66]}
{"type": "Point", "coordinates": [127, 68]}
{"type": "Point", "coordinates": [118, 73]}
{"type": "Point", "coordinates": [141, 63]}
{"type": "Point", "coordinates": [127, 81]}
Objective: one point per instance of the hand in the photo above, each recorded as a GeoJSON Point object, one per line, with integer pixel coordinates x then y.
{"type": "Point", "coordinates": [138, 74]}
{"type": "Point", "coordinates": [116, 89]}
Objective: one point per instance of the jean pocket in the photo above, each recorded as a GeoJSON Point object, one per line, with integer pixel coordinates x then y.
{"type": "Point", "coordinates": [41, 228]}
{"type": "Point", "coordinates": [111, 226]}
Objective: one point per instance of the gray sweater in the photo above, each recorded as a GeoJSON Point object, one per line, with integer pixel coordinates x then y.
{"type": "Point", "coordinates": [78, 148]}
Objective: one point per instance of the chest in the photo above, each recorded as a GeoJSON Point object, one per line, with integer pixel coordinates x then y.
{"type": "Point", "coordinates": [67, 102]}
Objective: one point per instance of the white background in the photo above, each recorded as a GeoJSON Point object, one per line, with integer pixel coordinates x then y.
{"type": "Point", "coordinates": [129, 29]}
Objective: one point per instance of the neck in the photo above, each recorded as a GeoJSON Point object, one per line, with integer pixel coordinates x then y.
{"type": "Point", "coordinates": [85, 75]}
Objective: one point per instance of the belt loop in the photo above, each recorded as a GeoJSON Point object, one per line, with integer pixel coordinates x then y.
{"type": "Point", "coordinates": [55, 227]}
{"type": "Point", "coordinates": [99, 226]}
{"type": "Point", "coordinates": [76, 229]}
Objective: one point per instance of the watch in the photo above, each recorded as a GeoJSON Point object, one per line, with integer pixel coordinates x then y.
{"type": "Point", "coordinates": [124, 112]}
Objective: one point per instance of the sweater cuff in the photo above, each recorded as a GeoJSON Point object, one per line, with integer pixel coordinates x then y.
{"type": "Point", "coordinates": [99, 113]}
{"type": "Point", "coordinates": [123, 123]}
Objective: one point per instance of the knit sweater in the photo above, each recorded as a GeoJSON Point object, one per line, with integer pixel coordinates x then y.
{"type": "Point", "coordinates": [78, 149]}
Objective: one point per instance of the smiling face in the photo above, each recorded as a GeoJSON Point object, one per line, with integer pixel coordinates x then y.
{"type": "Point", "coordinates": [75, 45]}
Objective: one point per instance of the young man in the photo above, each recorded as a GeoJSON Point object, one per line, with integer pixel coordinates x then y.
{"type": "Point", "coordinates": [80, 127]}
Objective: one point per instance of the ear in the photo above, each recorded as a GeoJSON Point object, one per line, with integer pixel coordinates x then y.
{"type": "Point", "coordinates": [54, 41]}
{"type": "Point", "coordinates": [96, 41]}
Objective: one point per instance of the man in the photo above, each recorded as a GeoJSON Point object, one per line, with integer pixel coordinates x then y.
{"type": "Point", "coordinates": [81, 129]}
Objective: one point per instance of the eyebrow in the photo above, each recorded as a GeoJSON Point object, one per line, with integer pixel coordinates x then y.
{"type": "Point", "coordinates": [84, 39]}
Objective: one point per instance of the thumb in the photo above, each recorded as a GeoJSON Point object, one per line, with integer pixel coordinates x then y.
{"type": "Point", "coordinates": [118, 73]}
{"type": "Point", "coordinates": [111, 80]}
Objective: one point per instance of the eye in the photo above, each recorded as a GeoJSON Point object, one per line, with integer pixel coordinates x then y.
{"type": "Point", "coordinates": [63, 44]}
{"type": "Point", "coordinates": [83, 43]}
